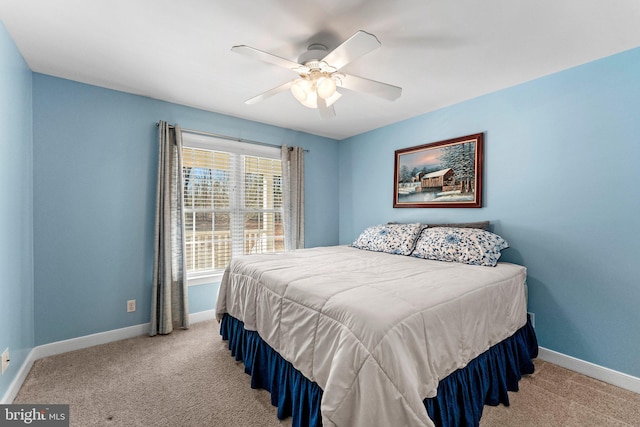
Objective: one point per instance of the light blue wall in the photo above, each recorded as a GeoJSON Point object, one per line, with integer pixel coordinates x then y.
{"type": "Point", "coordinates": [16, 208]}
{"type": "Point", "coordinates": [562, 185]}
{"type": "Point", "coordinates": [95, 164]}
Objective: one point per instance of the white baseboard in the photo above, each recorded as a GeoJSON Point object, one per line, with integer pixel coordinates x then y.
{"type": "Point", "coordinates": [619, 379]}
{"type": "Point", "coordinates": [15, 385]}
{"type": "Point", "coordinates": [86, 341]}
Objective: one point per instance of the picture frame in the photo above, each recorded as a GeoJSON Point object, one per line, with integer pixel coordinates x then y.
{"type": "Point", "coordinates": [443, 174]}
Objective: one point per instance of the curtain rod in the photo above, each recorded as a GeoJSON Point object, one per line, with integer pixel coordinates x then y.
{"type": "Point", "coordinates": [230, 138]}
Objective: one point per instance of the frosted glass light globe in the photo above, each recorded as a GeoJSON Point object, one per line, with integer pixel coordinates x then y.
{"type": "Point", "coordinates": [326, 87]}
{"type": "Point", "coordinates": [301, 89]}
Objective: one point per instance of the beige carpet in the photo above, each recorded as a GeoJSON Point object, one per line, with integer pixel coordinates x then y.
{"type": "Point", "coordinates": [188, 378]}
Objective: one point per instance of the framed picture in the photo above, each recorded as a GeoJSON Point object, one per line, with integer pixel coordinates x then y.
{"type": "Point", "coordinates": [444, 174]}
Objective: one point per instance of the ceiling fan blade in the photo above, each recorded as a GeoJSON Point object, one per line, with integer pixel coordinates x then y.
{"type": "Point", "coordinates": [264, 56]}
{"type": "Point", "coordinates": [353, 48]}
{"type": "Point", "coordinates": [372, 87]}
{"type": "Point", "coordinates": [326, 112]}
{"type": "Point", "coordinates": [269, 93]}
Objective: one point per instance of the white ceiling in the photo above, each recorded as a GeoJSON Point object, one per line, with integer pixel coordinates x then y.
{"type": "Point", "coordinates": [440, 52]}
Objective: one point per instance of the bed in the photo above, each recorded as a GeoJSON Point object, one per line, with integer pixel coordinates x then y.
{"type": "Point", "coordinates": [378, 333]}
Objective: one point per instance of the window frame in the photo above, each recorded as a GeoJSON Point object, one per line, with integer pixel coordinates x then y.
{"type": "Point", "coordinates": [208, 142]}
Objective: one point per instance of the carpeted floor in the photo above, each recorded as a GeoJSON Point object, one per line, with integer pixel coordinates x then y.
{"type": "Point", "coordinates": [188, 378]}
{"type": "Point", "coordinates": [554, 396]}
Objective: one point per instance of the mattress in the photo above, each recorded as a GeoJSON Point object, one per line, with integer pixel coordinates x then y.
{"type": "Point", "coordinates": [375, 331]}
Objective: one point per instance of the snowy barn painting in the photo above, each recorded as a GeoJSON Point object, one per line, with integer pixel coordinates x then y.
{"type": "Point", "coordinates": [442, 174]}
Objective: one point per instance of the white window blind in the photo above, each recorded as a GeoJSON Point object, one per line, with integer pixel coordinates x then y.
{"type": "Point", "coordinates": [232, 200]}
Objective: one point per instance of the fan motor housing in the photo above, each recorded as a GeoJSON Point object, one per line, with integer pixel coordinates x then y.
{"type": "Point", "coordinates": [315, 52]}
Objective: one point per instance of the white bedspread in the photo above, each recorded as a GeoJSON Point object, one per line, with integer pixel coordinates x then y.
{"type": "Point", "coordinates": [375, 331]}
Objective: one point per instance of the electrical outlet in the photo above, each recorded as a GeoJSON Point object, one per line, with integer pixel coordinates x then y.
{"type": "Point", "coordinates": [131, 305]}
{"type": "Point", "coordinates": [5, 360]}
{"type": "Point", "coordinates": [532, 316]}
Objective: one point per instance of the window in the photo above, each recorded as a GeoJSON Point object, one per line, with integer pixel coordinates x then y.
{"type": "Point", "coordinates": [232, 203]}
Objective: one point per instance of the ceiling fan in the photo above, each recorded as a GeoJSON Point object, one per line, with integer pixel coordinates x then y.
{"type": "Point", "coordinates": [319, 76]}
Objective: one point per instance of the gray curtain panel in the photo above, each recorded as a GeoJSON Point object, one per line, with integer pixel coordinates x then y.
{"type": "Point", "coordinates": [293, 196]}
{"type": "Point", "coordinates": [169, 298]}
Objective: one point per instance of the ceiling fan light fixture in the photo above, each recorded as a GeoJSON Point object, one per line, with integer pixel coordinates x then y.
{"type": "Point", "coordinates": [326, 87]}
{"type": "Point", "coordinates": [319, 73]}
{"type": "Point", "coordinates": [301, 89]}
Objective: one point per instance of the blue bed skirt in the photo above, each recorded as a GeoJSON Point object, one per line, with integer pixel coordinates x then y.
{"type": "Point", "coordinates": [461, 395]}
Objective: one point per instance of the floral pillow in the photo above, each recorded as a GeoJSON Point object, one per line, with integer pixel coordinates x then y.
{"type": "Point", "coordinates": [465, 245]}
{"type": "Point", "coordinates": [398, 239]}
